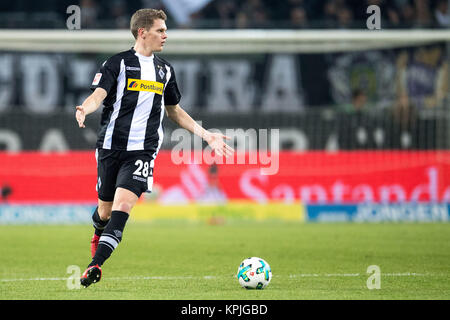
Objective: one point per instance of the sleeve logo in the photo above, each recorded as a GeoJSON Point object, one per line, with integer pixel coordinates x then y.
{"type": "Point", "coordinates": [97, 78]}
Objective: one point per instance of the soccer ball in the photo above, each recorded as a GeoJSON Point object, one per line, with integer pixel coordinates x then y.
{"type": "Point", "coordinates": [254, 273]}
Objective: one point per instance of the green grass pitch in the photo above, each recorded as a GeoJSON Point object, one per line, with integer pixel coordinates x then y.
{"type": "Point", "coordinates": [196, 261]}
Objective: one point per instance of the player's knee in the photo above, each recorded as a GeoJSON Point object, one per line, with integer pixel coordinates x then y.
{"type": "Point", "coordinates": [124, 200]}
{"type": "Point", "coordinates": [104, 210]}
{"type": "Point", "coordinates": [104, 214]}
{"type": "Point", "coordinates": [123, 206]}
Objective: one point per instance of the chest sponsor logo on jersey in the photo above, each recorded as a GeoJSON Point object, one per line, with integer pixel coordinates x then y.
{"type": "Point", "coordinates": [145, 85]}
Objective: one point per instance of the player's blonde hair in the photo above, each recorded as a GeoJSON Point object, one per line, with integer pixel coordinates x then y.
{"type": "Point", "coordinates": [144, 18]}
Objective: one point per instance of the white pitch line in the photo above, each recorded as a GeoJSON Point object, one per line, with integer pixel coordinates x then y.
{"type": "Point", "coordinates": [302, 275]}
{"type": "Point", "coordinates": [32, 279]}
{"type": "Point", "coordinates": [398, 274]}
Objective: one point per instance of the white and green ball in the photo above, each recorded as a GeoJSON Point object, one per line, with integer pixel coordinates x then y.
{"type": "Point", "coordinates": [254, 273]}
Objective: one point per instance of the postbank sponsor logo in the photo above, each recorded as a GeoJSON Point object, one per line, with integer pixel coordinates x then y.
{"type": "Point", "coordinates": [145, 85]}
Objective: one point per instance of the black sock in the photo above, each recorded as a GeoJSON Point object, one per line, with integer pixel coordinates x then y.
{"type": "Point", "coordinates": [111, 237]}
{"type": "Point", "coordinates": [99, 224]}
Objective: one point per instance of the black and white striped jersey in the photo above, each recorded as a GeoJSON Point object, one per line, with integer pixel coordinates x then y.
{"type": "Point", "coordinates": [138, 87]}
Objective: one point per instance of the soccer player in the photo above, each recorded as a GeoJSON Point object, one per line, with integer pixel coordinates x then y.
{"type": "Point", "coordinates": [135, 86]}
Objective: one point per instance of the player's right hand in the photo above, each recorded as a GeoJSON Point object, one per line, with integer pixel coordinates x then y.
{"type": "Point", "coordinates": [80, 116]}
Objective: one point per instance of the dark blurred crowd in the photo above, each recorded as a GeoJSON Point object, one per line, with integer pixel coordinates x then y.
{"type": "Point", "coordinates": [234, 13]}
{"type": "Point", "coordinates": [324, 13]}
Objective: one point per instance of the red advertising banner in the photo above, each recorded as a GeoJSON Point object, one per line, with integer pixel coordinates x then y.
{"type": "Point", "coordinates": [312, 177]}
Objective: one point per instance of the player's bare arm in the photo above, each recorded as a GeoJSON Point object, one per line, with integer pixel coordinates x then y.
{"type": "Point", "coordinates": [90, 105]}
{"type": "Point", "coordinates": [214, 140]}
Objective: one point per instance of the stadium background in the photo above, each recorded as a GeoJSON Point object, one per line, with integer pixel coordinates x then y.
{"type": "Point", "coordinates": [363, 128]}
{"type": "Point", "coordinates": [357, 122]}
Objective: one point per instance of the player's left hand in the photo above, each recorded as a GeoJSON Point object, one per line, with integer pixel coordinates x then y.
{"type": "Point", "coordinates": [80, 115]}
{"type": "Point", "coordinates": [217, 143]}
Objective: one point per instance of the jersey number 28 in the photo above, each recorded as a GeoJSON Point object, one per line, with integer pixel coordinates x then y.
{"type": "Point", "coordinates": [143, 168]}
